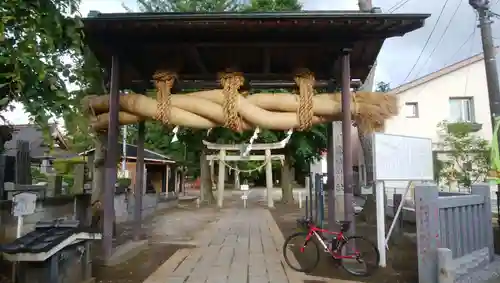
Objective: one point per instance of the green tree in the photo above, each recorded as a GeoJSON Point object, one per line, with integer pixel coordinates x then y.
{"type": "Point", "coordinates": [186, 5]}
{"type": "Point", "coordinates": [35, 36]}
{"type": "Point", "coordinates": [89, 81]}
{"type": "Point", "coordinates": [383, 87]}
{"type": "Point", "coordinates": [273, 5]}
{"type": "Point", "coordinates": [465, 156]}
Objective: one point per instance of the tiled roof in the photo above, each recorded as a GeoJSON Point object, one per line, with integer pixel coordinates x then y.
{"type": "Point", "coordinates": [132, 153]}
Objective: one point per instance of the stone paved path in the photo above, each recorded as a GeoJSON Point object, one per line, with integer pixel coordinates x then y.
{"type": "Point", "coordinates": [243, 246]}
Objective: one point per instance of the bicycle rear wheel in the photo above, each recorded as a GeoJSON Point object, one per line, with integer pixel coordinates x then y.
{"type": "Point", "coordinates": [302, 260]}
{"type": "Point", "coordinates": [363, 260]}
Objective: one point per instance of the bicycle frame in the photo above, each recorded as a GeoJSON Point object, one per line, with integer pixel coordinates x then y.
{"type": "Point", "coordinates": [314, 231]}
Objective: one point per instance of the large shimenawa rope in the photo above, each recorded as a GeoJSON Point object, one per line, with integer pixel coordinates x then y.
{"type": "Point", "coordinates": [164, 81]}
{"type": "Point", "coordinates": [231, 83]}
{"type": "Point", "coordinates": [305, 80]}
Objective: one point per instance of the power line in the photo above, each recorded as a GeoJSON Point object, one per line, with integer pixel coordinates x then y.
{"type": "Point", "coordinates": [470, 37]}
{"type": "Point", "coordinates": [468, 68]}
{"type": "Point", "coordinates": [465, 42]}
{"type": "Point", "coordinates": [427, 41]}
{"type": "Point", "coordinates": [398, 5]}
{"type": "Point", "coordinates": [442, 36]}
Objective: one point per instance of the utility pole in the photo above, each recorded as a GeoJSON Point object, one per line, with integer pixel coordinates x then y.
{"type": "Point", "coordinates": [489, 52]}
{"type": "Point", "coordinates": [365, 5]}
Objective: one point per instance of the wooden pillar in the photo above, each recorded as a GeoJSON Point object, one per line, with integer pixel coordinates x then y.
{"type": "Point", "coordinates": [269, 179]}
{"type": "Point", "coordinates": [221, 181]}
{"type": "Point", "coordinates": [168, 171]}
{"type": "Point", "coordinates": [111, 159]}
{"type": "Point", "coordinates": [347, 141]}
{"type": "Point", "coordinates": [3, 162]}
{"type": "Point", "coordinates": [164, 180]}
{"type": "Point", "coordinates": [139, 180]}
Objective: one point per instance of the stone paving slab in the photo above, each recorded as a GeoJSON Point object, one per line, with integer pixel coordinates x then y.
{"type": "Point", "coordinates": [242, 246]}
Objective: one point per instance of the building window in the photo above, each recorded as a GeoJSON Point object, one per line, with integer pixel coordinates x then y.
{"type": "Point", "coordinates": [461, 109]}
{"type": "Point", "coordinates": [411, 109]}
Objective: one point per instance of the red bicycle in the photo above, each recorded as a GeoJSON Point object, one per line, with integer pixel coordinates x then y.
{"type": "Point", "coordinates": [350, 251]}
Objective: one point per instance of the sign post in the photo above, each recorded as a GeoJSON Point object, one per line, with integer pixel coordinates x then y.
{"type": "Point", "coordinates": [23, 204]}
{"type": "Point", "coordinates": [245, 188]}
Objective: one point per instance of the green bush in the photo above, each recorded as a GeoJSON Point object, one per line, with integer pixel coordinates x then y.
{"type": "Point", "coordinates": [124, 182]}
{"type": "Point", "coordinates": [64, 166]}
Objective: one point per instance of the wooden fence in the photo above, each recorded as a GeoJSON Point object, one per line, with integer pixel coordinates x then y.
{"type": "Point", "coordinates": [455, 228]}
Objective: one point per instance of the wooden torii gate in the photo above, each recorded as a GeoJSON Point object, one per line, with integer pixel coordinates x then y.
{"type": "Point", "coordinates": [222, 157]}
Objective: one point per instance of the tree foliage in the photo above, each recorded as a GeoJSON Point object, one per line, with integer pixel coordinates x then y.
{"type": "Point", "coordinates": [90, 80]}
{"type": "Point", "coordinates": [383, 87]}
{"type": "Point", "coordinates": [35, 38]}
{"type": "Point", "coordinates": [186, 5]}
{"type": "Point", "coordinates": [273, 5]}
{"type": "Point", "coordinates": [465, 155]}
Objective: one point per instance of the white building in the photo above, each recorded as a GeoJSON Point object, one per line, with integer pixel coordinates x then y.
{"type": "Point", "coordinates": [455, 93]}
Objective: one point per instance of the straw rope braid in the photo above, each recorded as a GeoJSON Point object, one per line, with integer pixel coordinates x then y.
{"type": "Point", "coordinates": [305, 80]}
{"type": "Point", "coordinates": [231, 83]}
{"type": "Point", "coordinates": [258, 168]}
{"type": "Point", "coordinates": [164, 81]}
{"type": "Point", "coordinates": [369, 110]}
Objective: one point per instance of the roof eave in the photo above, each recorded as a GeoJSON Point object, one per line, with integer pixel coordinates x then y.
{"type": "Point", "coordinates": [256, 16]}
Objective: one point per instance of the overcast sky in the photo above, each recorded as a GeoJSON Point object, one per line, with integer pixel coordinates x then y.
{"type": "Point", "coordinates": [398, 55]}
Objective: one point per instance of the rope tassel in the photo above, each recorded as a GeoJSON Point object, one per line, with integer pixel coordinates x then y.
{"type": "Point", "coordinates": [305, 81]}
{"type": "Point", "coordinates": [164, 81]}
{"type": "Point", "coordinates": [231, 83]}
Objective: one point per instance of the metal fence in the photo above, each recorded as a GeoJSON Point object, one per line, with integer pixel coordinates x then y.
{"type": "Point", "coordinates": [456, 223]}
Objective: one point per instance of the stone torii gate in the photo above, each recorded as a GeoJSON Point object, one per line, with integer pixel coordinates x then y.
{"type": "Point", "coordinates": [222, 157]}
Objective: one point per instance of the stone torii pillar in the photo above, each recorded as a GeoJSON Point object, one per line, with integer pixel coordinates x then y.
{"type": "Point", "coordinates": [222, 176]}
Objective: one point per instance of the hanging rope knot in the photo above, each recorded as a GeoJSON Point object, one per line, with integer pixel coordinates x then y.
{"type": "Point", "coordinates": [305, 81]}
{"type": "Point", "coordinates": [164, 81]}
{"type": "Point", "coordinates": [231, 83]}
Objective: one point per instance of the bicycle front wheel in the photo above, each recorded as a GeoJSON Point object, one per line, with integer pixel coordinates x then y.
{"type": "Point", "coordinates": [360, 256]}
{"type": "Point", "coordinates": [299, 254]}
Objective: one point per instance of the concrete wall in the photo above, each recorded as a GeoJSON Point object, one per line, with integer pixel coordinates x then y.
{"type": "Point", "coordinates": [124, 205]}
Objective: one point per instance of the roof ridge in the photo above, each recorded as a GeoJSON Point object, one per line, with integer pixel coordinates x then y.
{"type": "Point", "coordinates": [441, 72]}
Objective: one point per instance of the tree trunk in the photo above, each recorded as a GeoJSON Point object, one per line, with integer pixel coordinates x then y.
{"type": "Point", "coordinates": [286, 182]}
{"type": "Point", "coordinates": [369, 209]}
{"type": "Point", "coordinates": [98, 168]}
{"type": "Point", "coordinates": [205, 179]}
{"type": "Point", "coordinates": [98, 184]}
